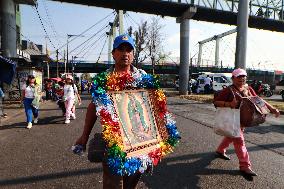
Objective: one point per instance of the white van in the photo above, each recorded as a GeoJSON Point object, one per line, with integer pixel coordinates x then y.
{"type": "Point", "coordinates": [219, 81]}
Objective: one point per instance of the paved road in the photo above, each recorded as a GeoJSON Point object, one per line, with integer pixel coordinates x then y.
{"type": "Point", "coordinates": [41, 157]}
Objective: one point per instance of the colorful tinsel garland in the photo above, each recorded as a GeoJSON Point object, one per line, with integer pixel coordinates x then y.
{"type": "Point", "coordinates": [116, 157]}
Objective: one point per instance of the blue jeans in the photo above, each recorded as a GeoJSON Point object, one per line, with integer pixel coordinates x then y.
{"type": "Point", "coordinates": [30, 110]}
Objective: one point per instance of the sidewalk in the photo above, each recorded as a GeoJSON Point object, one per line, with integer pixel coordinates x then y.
{"type": "Point", "coordinates": [12, 109]}
{"type": "Point", "coordinates": [207, 99]}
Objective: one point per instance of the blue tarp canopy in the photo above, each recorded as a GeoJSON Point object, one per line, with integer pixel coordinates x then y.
{"type": "Point", "coordinates": [7, 70]}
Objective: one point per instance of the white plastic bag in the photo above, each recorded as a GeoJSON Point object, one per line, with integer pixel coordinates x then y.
{"type": "Point", "coordinates": [227, 122]}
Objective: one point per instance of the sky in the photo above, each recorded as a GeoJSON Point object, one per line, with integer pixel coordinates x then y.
{"type": "Point", "coordinates": [265, 49]}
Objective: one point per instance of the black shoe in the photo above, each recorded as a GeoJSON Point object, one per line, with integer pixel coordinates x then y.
{"type": "Point", "coordinates": [248, 172]}
{"type": "Point", "coordinates": [222, 156]}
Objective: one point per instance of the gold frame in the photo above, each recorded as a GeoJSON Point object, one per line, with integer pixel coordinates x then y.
{"type": "Point", "coordinates": [147, 120]}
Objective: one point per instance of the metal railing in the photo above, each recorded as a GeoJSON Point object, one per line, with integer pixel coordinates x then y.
{"type": "Point", "coordinates": [270, 9]}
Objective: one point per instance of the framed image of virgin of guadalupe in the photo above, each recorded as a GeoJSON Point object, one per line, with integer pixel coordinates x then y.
{"type": "Point", "coordinates": [140, 126]}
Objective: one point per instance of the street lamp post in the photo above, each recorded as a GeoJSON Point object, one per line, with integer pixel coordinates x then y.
{"type": "Point", "coordinates": [67, 58]}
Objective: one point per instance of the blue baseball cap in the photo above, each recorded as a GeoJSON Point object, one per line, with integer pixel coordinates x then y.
{"type": "Point", "coordinates": [124, 38]}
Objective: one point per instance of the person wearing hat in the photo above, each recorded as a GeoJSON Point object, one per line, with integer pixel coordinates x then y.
{"type": "Point", "coordinates": [70, 95]}
{"type": "Point", "coordinates": [123, 55]}
{"type": "Point", "coordinates": [226, 98]}
{"type": "Point", "coordinates": [31, 96]}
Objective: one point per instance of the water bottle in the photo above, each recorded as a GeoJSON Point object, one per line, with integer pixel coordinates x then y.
{"type": "Point", "coordinates": [78, 149]}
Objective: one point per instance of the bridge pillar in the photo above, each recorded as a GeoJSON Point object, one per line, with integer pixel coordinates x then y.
{"type": "Point", "coordinates": [242, 28]}
{"type": "Point", "coordinates": [184, 50]}
{"type": "Point", "coordinates": [199, 54]}
{"type": "Point", "coordinates": [217, 59]}
{"type": "Point", "coordinates": [8, 44]}
{"type": "Point", "coordinates": [184, 57]}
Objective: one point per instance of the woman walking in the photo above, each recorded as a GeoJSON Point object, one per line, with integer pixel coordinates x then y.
{"type": "Point", "coordinates": [226, 98]}
{"type": "Point", "coordinates": [70, 94]}
{"type": "Point", "coordinates": [31, 96]}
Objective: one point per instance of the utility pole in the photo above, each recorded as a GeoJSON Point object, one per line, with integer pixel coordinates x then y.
{"type": "Point", "coordinates": [68, 36]}
{"type": "Point", "coordinates": [64, 62]}
{"type": "Point", "coordinates": [57, 74]}
{"type": "Point", "coordinates": [47, 64]}
{"type": "Point", "coordinates": [46, 52]}
{"type": "Point", "coordinates": [110, 41]}
{"type": "Point", "coordinates": [120, 21]}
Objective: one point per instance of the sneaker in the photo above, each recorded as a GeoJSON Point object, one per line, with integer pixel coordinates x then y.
{"type": "Point", "coordinates": [72, 116]}
{"type": "Point", "coordinates": [36, 120]}
{"type": "Point", "coordinates": [222, 156]}
{"type": "Point", "coordinates": [29, 125]}
{"type": "Point", "coordinates": [248, 172]}
{"type": "Point", "coordinates": [67, 121]}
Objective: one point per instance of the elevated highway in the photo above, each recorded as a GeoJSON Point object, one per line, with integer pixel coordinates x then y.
{"type": "Point", "coordinates": [263, 14]}
{"type": "Point", "coordinates": [159, 69]}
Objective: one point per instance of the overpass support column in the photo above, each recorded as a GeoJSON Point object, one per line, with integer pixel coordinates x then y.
{"type": "Point", "coordinates": [8, 44]}
{"type": "Point", "coordinates": [184, 57]}
{"type": "Point", "coordinates": [242, 28]}
{"type": "Point", "coordinates": [184, 50]}
{"type": "Point", "coordinates": [199, 54]}
{"type": "Point", "coordinates": [217, 52]}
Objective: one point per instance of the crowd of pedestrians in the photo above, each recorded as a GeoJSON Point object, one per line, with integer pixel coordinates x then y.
{"type": "Point", "coordinates": [63, 91]}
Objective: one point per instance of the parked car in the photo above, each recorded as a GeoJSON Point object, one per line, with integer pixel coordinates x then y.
{"type": "Point", "coordinates": [219, 81]}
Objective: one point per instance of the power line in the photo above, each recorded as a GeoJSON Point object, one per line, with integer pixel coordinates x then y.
{"type": "Point", "coordinates": [132, 19]}
{"type": "Point", "coordinates": [89, 47]}
{"type": "Point", "coordinates": [103, 19]}
{"type": "Point", "coordinates": [45, 29]}
{"type": "Point", "coordinates": [87, 43]}
{"type": "Point", "coordinates": [55, 34]}
{"type": "Point", "coordinates": [89, 38]}
{"type": "Point", "coordinates": [93, 45]}
{"type": "Point", "coordinates": [127, 24]}
{"type": "Point", "coordinates": [102, 50]}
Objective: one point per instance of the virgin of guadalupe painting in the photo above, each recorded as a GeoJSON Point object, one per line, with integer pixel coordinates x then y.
{"type": "Point", "coordinates": [137, 120]}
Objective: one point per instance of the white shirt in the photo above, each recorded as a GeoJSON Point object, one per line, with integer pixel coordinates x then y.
{"type": "Point", "coordinates": [207, 81]}
{"type": "Point", "coordinates": [29, 91]}
{"type": "Point", "coordinates": [69, 91]}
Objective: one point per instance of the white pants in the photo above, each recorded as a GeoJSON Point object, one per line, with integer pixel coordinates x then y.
{"type": "Point", "coordinates": [70, 107]}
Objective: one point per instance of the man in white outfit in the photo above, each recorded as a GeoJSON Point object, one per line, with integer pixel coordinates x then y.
{"type": "Point", "coordinates": [207, 82]}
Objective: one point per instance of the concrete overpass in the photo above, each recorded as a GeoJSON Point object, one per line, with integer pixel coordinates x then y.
{"type": "Point", "coordinates": [227, 15]}
{"type": "Point", "coordinates": [159, 69]}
